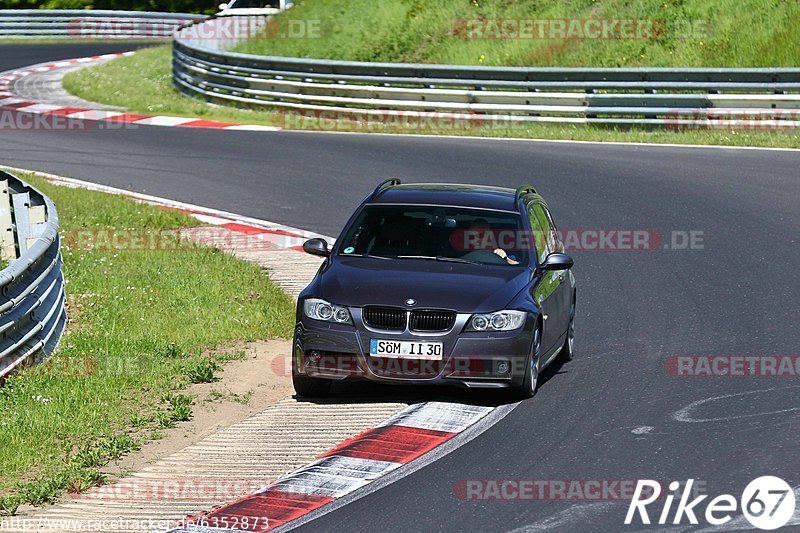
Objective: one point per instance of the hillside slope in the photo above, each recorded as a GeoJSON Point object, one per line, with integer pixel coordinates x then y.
{"type": "Point", "coordinates": [602, 33]}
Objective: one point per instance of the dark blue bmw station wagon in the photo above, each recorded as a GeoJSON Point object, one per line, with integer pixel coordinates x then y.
{"type": "Point", "coordinates": [438, 284]}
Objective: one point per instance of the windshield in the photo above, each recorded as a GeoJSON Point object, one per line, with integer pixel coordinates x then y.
{"type": "Point", "coordinates": [437, 233]}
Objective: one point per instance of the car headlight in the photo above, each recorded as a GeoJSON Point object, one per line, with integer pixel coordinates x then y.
{"type": "Point", "coordinates": [327, 312]}
{"type": "Point", "coordinates": [498, 321]}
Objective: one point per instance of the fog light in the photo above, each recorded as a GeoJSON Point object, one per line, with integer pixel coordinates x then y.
{"type": "Point", "coordinates": [502, 367]}
{"type": "Point", "coordinates": [313, 358]}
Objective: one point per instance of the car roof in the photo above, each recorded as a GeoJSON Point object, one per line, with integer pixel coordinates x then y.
{"type": "Point", "coordinates": [474, 196]}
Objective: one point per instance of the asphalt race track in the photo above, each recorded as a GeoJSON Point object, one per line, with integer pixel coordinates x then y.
{"type": "Point", "coordinates": [613, 413]}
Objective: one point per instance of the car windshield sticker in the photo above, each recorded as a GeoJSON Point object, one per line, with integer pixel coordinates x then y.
{"type": "Point", "coordinates": [349, 250]}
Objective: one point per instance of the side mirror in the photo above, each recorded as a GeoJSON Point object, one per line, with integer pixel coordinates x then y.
{"type": "Point", "coordinates": [223, 7]}
{"type": "Point", "coordinates": [316, 247]}
{"type": "Point", "coordinates": [556, 261]}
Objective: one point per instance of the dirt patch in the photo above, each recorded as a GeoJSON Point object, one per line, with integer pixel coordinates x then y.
{"type": "Point", "coordinates": [246, 387]}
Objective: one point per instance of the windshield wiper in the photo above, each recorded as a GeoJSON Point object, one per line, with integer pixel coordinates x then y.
{"type": "Point", "coordinates": [368, 255]}
{"type": "Point", "coordinates": [439, 258]}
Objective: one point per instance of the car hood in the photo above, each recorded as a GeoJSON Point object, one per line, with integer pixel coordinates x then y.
{"type": "Point", "coordinates": [360, 281]}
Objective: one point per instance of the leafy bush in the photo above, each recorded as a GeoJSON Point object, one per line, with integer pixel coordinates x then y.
{"type": "Point", "coordinates": [169, 6]}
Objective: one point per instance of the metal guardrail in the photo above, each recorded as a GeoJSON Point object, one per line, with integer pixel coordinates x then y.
{"type": "Point", "coordinates": [32, 301]}
{"type": "Point", "coordinates": [655, 96]}
{"type": "Point", "coordinates": [90, 24]}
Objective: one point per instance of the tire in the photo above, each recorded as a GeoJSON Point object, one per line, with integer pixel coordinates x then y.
{"type": "Point", "coordinates": [531, 379]}
{"type": "Point", "coordinates": [568, 351]}
{"type": "Point", "coordinates": [307, 387]}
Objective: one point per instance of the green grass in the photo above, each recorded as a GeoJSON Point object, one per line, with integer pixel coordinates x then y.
{"type": "Point", "coordinates": [143, 84]}
{"type": "Point", "coordinates": [423, 31]}
{"type": "Point", "coordinates": [694, 33]}
{"type": "Point", "coordinates": [139, 322]}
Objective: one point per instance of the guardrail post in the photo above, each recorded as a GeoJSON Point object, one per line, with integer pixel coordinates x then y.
{"type": "Point", "coordinates": [21, 203]}
{"type": "Point", "coordinates": [7, 245]}
{"type": "Point", "coordinates": [32, 301]}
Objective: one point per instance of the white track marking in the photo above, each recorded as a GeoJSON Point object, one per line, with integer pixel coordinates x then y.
{"type": "Point", "coordinates": [684, 414]}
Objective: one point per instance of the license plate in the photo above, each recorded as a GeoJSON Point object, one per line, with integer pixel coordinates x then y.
{"type": "Point", "coordinates": [431, 351]}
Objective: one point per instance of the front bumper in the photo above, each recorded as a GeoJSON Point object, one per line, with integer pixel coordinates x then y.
{"type": "Point", "coordinates": [471, 359]}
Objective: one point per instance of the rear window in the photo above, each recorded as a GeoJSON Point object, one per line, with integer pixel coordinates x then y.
{"type": "Point", "coordinates": [475, 235]}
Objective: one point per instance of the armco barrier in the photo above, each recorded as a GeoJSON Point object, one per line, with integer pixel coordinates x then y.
{"type": "Point", "coordinates": [649, 96]}
{"type": "Point", "coordinates": [90, 24]}
{"type": "Point", "coordinates": [32, 310]}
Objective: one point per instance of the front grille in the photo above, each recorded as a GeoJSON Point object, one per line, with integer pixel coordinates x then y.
{"type": "Point", "coordinates": [432, 320]}
{"type": "Point", "coordinates": [385, 318]}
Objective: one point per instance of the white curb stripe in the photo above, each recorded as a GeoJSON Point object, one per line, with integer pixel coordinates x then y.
{"type": "Point", "coordinates": [251, 127]}
{"type": "Point", "coordinates": [94, 114]}
{"type": "Point", "coordinates": [6, 78]}
{"type": "Point", "coordinates": [355, 463]}
{"type": "Point", "coordinates": [439, 416]}
{"type": "Point", "coordinates": [12, 100]}
{"type": "Point", "coordinates": [320, 484]}
{"type": "Point", "coordinates": [163, 121]}
{"type": "Point", "coordinates": [354, 467]}
{"type": "Point", "coordinates": [39, 108]}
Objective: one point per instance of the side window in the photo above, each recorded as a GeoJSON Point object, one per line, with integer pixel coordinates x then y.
{"type": "Point", "coordinates": [541, 230]}
{"type": "Point", "coordinates": [554, 240]}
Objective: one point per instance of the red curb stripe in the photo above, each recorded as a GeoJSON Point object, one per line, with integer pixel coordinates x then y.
{"type": "Point", "coordinates": [65, 111]}
{"type": "Point", "coordinates": [244, 228]}
{"type": "Point", "coordinates": [287, 234]}
{"type": "Point", "coordinates": [208, 124]}
{"type": "Point", "coordinates": [18, 105]}
{"type": "Point", "coordinates": [277, 507]}
{"type": "Point", "coordinates": [127, 117]}
{"type": "Point", "coordinates": [254, 230]}
{"type": "Point", "coordinates": [396, 444]}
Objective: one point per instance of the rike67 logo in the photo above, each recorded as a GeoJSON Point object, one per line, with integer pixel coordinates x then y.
{"type": "Point", "coordinates": [768, 502]}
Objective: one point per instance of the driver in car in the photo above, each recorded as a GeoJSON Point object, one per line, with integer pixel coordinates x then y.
{"type": "Point", "coordinates": [480, 227]}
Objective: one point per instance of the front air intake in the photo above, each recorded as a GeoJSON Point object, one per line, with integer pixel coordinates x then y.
{"type": "Point", "coordinates": [387, 318]}
{"type": "Point", "coordinates": [432, 320]}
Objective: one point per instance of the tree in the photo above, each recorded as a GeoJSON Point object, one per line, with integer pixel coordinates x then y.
{"type": "Point", "coordinates": [167, 6]}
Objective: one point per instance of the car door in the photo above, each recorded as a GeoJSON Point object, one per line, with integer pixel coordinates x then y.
{"type": "Point", "coordinates": [544, 292]}
{"type": "Point", "coordinates": [563, 293]}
